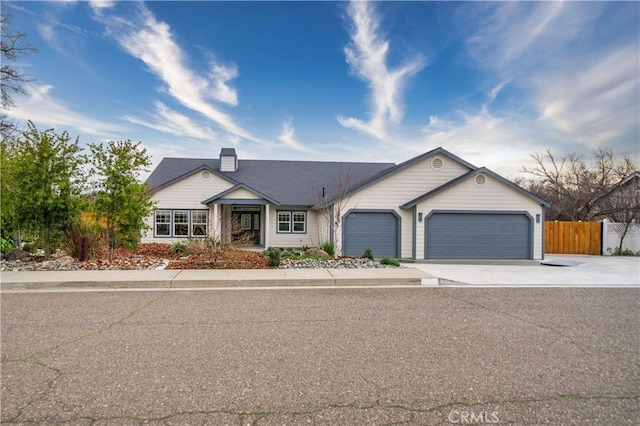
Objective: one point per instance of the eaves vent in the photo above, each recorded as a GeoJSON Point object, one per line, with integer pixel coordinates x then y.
{"type": "Point", "coordinates": [480, 180]}
{"type": "Point", "coordinates": [437, 163]}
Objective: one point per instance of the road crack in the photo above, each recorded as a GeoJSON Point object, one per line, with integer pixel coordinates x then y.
{"type": "Point", "coordinates": [571, 339]}
{"type": "Point", "coordinates": [33, 358]}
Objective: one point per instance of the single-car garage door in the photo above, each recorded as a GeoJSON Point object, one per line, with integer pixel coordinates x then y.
{"type": "Point", "coordinates": [377, 231]}
{"type": "Point", "coordinates": [476, 235]}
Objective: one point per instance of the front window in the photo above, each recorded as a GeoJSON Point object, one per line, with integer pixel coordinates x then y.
{"type": "Point", "coordinates": [163, 223]}
{"type": "Point", "coordinates": [284, 222]}
{"type": "Point", "coordinates": [199, 223]}
{"type": "Point", "coordinates": [180, 223]}
{"type": "Point", "coordinates": [299, 222]}
{"type": "Point", "coordinates": [295, 222]}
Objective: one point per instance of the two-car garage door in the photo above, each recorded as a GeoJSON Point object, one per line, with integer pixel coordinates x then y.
{"type": "Point", "coordinates": [478, 235]}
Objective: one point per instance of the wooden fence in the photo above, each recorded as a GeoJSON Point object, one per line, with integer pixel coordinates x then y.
{"type": "Point", "coordinates": [573, 237]}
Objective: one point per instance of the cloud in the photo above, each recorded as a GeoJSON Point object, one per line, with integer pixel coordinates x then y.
{"type": "Point", "coordinates": [574, 66]}
{"type": "Point", "coordinates": [288, 137]}
{"type": "Point", "coordinates": [367, 59]}
{"type": "Point", "coordinates": [596, 104]}
{"type": "Point", "coordinates": [501, 143]}
{"type": "Point", "coordinates": [168, 121]}
{"type": "Point", "coordinates": [511, 37]}
{"type": "Point", "coordinates": [153, 43]}
{"type": "Point", "coordinates": [39, 102]}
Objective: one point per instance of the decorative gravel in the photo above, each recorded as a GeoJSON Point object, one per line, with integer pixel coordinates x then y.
{"type": "Point", "coordinates": [342, 263]}
{"type": "Point", "coordinates": [52, 265]}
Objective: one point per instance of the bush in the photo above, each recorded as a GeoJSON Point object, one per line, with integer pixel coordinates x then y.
{"type": "Point", "coordinates": [368, 254]}
{"type": "Point", "coordinates": [274, 254]}
{"type": "Point", "coordinates": [97, 247]}
{"type": "Point", "coordinates": [389, 261]}
{"type": "Point", "coordinates": [5, 245]}
{"type": "Point", "coordinates": [177, 247]}
{"type": "Point", "coordinates": [623, 252]}
{"type": "Point", "coordinates": [329, 247]}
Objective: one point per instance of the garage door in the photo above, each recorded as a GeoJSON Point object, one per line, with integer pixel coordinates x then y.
{"type": "Point", "coordinates": [377, 231]}
{"type": "Point", "coordinates": [478, 236]}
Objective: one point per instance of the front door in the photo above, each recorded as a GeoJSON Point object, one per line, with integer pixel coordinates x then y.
{"type": "Point", "coordinates": [246, 227]}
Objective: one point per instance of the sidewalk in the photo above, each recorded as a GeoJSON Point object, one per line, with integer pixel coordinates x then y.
{"type": "Point", "coordinates": [39, 280]}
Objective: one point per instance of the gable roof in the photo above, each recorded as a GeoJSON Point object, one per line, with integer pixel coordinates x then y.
{"type": "Point", "coordinates": [469, 175]}
{"type": "Point", "coordinates": [402, 166]}
{"type": "Point", "coordinates": [235, 188]}
{"type": "Point", "coordinates": [296, 183]}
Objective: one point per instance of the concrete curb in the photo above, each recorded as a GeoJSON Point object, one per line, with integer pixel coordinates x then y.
{"type": "Point", "coordinates": [37, 280]}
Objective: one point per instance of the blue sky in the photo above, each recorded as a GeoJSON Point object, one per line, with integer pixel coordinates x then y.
{"type": "Point", "coordinates": [383, 81]}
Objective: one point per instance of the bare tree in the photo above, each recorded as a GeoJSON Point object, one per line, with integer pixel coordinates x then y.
{"type": "Point", "coordinates": [12, 80]}
{"type": "Point", "coordinates": [579, 190]}
{"type": "Point", "coordinates": [332, 204]}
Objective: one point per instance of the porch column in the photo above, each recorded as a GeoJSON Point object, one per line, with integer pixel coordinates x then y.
{"type": "Point", "coordinates": [215, 223]}
{"type": "Point", "coordinates": [266, 226]}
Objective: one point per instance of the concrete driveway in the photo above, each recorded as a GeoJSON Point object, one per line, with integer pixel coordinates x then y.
{"type": "Point", "coordinates": [581, 271]}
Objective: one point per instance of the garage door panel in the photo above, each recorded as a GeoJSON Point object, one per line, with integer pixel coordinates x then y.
{"type": "Point", "coordinates": [377, 231]}
{"type": "Point", "coordinates": [477, 236]}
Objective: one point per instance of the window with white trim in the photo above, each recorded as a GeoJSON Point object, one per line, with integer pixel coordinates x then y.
{"type": "Point", "coordinates": [162, 221]}
{"type": "Point", "coordinates": [292, 222]}
{"type": "Point", "coordinates": [180, 223]}
{"type": "Point", "coordinates": [284, 221]}
{"type": "Point", "coordinates": [198, 223]}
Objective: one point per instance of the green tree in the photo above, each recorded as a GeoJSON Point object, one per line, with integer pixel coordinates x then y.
{"type": "Point", "coordinates": [119, 197]}
{"type": "Point", "coordinates": [42, 181]}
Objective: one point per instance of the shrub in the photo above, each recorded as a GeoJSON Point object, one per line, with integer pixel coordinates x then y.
{"type": "Point", "coordinates": [274, 254]}
{"type": "Point", "coordinates": [368, 254]}
{"type": "Point", "coordinates": [177, 247]}
{"type": "Point", "coordinates": [5, 245]}
{"type": "Point", "coordinates": [96, 237]}
{"type": "Point", "coordinates": [389, 261]}
{"type": "Point", "coordinates": [623, 252]}
{"type": "Point", "coordinates": [329, 247]}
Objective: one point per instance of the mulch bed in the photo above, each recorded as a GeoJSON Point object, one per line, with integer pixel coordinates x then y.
{"type": "Point", "coordinates": [223, 258]}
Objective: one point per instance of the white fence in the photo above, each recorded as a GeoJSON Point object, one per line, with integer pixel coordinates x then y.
{"type": "Point", "coordinates": [611, 233]}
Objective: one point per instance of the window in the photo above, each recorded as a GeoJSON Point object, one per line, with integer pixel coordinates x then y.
{"type": "Point", "coordinates": [295, 222]}
{"type": "Point", "coordinates": [284, 221]}
{"type": "Point", "coordinates": [198, 223]}
{"type": "Point", "coordinates": [299, 222]}
{"type": "Point", "coordinates": [163, 223]}
{"type": "Point", "coordinates": [180, 223]}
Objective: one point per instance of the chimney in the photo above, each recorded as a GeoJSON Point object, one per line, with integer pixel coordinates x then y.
{"type": "Point", "coordinates": [228, 160]}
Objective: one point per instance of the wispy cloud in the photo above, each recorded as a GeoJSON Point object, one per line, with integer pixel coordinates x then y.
{"type": "Point", "coordinates": [367, 59]}
{"type": "Point", "coordinates": [168, 121]}
{"type": "Point", "coordinates": [501, 143]}
{"type": "Point", "coordinates": [39, 102]}
{"type": "Point", "coordinates": [152, 42]}
{"type": "Point", "coordinates": [596, 104]}
{"type": "Point", "coordinates": [288, 137]}
{"type": "Point", "coordinates": [575, 71]}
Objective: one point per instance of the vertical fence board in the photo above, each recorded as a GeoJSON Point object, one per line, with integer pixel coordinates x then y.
{"type": "Point", "coordinates": [572, 237]}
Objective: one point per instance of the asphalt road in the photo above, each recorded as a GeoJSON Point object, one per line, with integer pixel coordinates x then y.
{"type": "Point", "coordinates": [322, 356]}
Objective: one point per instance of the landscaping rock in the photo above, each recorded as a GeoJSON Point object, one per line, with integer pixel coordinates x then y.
{"type": "Point", "coordinates": [18, 254]}
{"type": "Point", "coordinates": [314, 251]}
{"type": "Point", "coordinates": [65, 260]}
